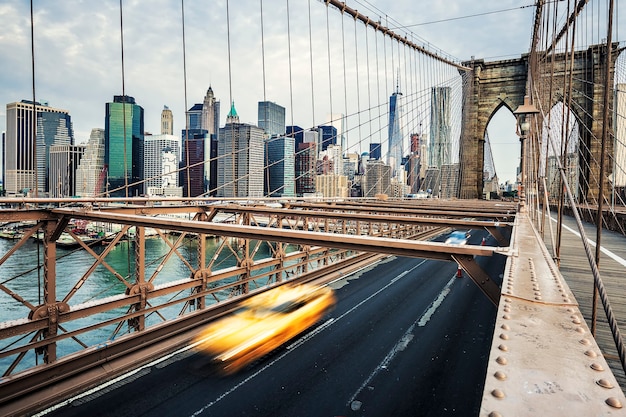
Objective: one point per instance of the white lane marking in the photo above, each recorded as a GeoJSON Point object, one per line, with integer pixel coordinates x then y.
{"type": "Point", "coordinates": [404, 341]}
{"type": "Point", "coordinates": [607, 252]}
{"type": "Point", "coordinates": [300, 341]}
{"type": "Point", "coordinates": [435, 305]}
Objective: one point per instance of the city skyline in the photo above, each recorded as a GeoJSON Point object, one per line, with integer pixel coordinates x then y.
{"type": "Point", "coordinates": [86, 38]}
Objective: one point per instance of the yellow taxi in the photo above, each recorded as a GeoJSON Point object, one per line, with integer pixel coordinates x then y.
{"type": "Point", "coordinates": [263, 323]}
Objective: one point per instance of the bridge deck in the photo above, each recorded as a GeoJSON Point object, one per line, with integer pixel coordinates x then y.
{"type": "Point", "coordinates": [576, 271]}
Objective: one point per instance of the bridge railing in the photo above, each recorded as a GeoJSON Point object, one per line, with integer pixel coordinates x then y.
{"type": "Point", "coordinates": [140, 274]}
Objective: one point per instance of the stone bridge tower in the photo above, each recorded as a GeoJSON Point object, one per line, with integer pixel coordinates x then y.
{"type": "Point", "coordinates": [492, 85]}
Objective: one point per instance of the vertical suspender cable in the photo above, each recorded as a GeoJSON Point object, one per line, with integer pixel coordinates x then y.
{"type": "Point", "coordinates": [345, 81]}
{"type": "Point", "coordinates": [289, 53]}
{"type": "Point", "coordinates": [358, 85]}
{"type": "Point", "coordinates": [123, 100]}
{"type": "Point", "coordinates": [34, 115]}
{"type": "Point", "coordinates": [369, 94]}
{"type": "Point", "coordinates": [330, 82]}
{"type": "Point", "coordinates": [311, 61]}
{"type": "Point", "coordinates": [266, 116]}
{"type": "Point", "coordinates": [234, 149]}
{"type": "Point", "coordinates": [182, 10]}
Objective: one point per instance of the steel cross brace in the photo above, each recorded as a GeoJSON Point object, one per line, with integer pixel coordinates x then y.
{"type": "Point", "coordinates": [480, 277]}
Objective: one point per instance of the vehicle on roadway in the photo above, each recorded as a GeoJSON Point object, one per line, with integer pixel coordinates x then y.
{"type": "Point", "coordinates": [262, 323]}
{"type": "Point", "coordinates": [458, 237]}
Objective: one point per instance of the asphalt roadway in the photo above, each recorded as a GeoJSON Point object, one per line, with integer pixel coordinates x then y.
{"type": "Point", "coordinates": [406, 338]}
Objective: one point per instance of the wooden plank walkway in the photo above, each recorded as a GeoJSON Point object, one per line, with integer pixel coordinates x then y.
{"type": "Point", "coordinates": [576, 270]}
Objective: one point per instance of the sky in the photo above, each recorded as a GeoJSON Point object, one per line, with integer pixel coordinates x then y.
{"type": "Point", "coordinates": [78, 54]}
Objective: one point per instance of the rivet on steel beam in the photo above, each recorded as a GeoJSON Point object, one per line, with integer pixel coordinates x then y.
{"type": "Point", "coordinates": [576, 321]}
{"type": "Point", "coordinates": [505, 327]}
{"type": "Point", "coordinates": [596, 367]}
{"type": "Point", "coordinates": [584, 342]}
{"type": "Point", "coordinates": [504, 336]}
{"type": "Point", "coordinates": [566, 299]}
{"type": "Point", "coordinates": [591, 353]}
{"type": "Point", "coordinates": [538, 298]}
{"type": "Point", "coordinates": [506, 317]}
{"type": "Point", "coordinates": [508, 300]}
{"type": "Point", "coordinates": [503, 348]}
{"type": "Point", "coordinates": [604, 383]}
{"type": "Point", "coordinates": [497, 393]}
{"type": "Point", "coordinates": [501, 360]}
{"type": "Point", "coordinates": [580, 330]}
{"type": "Point", "coordinates": [501, 376]}
{"type": "Point", "coordinates": [507, 309]}
{"type": "Point", "coordinates": [495, 414]}
{"type": "Point", "coordinates": [570, 310]}
{"type": "Point", "coordinates": [537, 292]}
{"type": "Point", "coordinates": [613, 402]}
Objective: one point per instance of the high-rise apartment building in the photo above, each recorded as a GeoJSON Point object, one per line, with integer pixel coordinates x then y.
{"type": "Point", "coordinates": [280, 166]}
{"type": "Point", "coordinates": [123, 146]}
{"type": "Point", "coordinates": [440, 144]}
{"type": "Point", "coordinates": [167, 121]}
{"type": "Point", "coordinates": [26, 166]}
{"type": "Point", "coordinates": [396, 148]}
{"type": "Point", "coordinates": [90, 173]}
{"type": "Point", "coordinates": [240, 151]}
{"type": "Point", "coordinates": [271, 118]}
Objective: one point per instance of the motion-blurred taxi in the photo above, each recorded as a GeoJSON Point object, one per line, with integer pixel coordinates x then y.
{"type": "Point", "coordinates": [263, 323]}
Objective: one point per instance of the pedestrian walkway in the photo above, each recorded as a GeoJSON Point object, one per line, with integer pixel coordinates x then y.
{"type": "Point", "coordinates": [575, 269]}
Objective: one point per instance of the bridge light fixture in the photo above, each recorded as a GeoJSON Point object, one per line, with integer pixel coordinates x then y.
{"type": "Point", "coordinates": [523, 115]}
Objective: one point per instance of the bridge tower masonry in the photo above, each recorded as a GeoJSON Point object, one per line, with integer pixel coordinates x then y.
{"type": "Point", "coordinates": [492, 85]}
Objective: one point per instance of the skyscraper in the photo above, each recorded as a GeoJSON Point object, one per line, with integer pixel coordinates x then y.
{"type": "Point", "coordinates": [210, 123]}
{"type": "Point", "coordinates": [123, 146]}
{"type": "Point", "coordinates": [375, 152]}
{"type": "Point", "coordinates": [377, 179]}
{"type": "Point", "coordinates": [210, 113]}
{"type": "Point", "coordinates": [306, 158]}
{"type": "Point", "coordinates": [271, 118]}
{"type": "Point", "coordinates": [167, 121]}
{"type": "Point", "coordinates": [395, 150]}
{"type": "Point", "coordinates": [240, 159]}
{"type": "Point", "coordinates": [62, 165]}
{"type": "Point", "coordinates": [90, 177]}
{"type": "Point", "coordinates": [328, 136]}
{"type": "Point", "coordinates": [440, 152]}
{"type": "Point", "coordinates": [280, 166]}
{"type": "Point", "coordinates": [54, 127]}
{"type": "Point", "coordinates": [192, 176]}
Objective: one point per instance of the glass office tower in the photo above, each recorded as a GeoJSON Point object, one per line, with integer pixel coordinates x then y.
{"type": "Point", "coordinates": [123, 144]}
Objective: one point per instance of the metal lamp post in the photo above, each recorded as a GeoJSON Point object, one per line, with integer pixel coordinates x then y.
{"type": "Point", "coordinates": [523, 114]}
